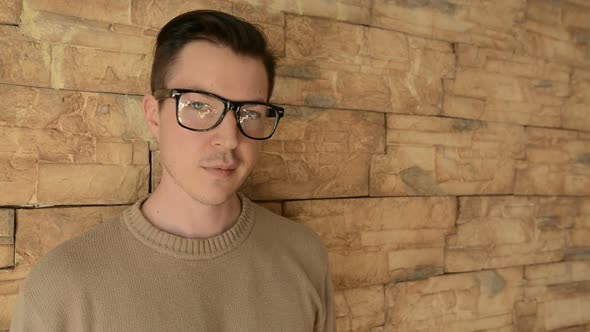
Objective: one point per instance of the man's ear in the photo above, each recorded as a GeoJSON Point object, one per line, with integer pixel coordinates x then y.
{"type": "Point", "coordinates": [152, 115]}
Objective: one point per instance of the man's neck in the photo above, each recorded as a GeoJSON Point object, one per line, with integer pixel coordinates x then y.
{"type": "Point", "coordinates": [177, 213]}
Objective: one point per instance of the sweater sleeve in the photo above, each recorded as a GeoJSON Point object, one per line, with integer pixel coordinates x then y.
{"type": "Point", "coordinates": [26, 318]}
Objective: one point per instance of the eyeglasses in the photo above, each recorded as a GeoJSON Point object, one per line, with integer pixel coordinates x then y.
{"type": "Point", "coordinates": [204, 111]}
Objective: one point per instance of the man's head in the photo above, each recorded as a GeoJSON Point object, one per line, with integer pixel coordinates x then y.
{"type": "Point", "coordinates": [211, 79]}
{"type": "Point", "coordinates": [222, 29]}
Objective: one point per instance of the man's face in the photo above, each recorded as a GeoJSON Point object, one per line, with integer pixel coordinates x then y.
{"type": "Point", "coordinates": [209, 166]}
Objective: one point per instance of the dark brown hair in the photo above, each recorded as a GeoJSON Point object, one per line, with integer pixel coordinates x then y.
{"type": "Point", "coordinates": [217, 27]}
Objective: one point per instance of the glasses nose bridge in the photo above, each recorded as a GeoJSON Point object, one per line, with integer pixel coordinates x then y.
{"type": "Point", "coordinates": [232, 106]}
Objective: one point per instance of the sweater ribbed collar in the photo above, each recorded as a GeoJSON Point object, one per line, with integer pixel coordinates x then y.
{"type": "Point", "coordinates": [190, 249]}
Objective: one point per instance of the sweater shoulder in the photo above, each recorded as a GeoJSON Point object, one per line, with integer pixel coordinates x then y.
{"type": "Point", "coordinates": [66, 262]}
{"type": "Point", "coordinates": [291, 236]}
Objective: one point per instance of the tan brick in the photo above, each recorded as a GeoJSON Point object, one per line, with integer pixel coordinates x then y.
{"type": "Point", "coordinates": [89, 114]}
{"type": "Point", "coordinates": [22, 149]}
{"type": "Point", "coordinates": [557, 296]}
{"type": "Point", "coordinates": [460, 302]}
{"type": "Point", "coordinates": [324, 40]}
{"type": "Point", "coordinates": [8, 295]}
{"type": "Point", "coordinates": [376, 240]}
{"type": "Point", "coordinates": [565, 52]}
{"type": "Point", "coordinates": [439, 156]}
{"type": "Point", "coordinates": [499, 86]}
{"type": "Point", "coordinates": [155, 14]}
{"type": "Point", "coordinates": [275, 207]}
{"type": "Point", "coordinates": [490, 24]}
{"type": "Point", "coordinates": [334, 64]}
{"type": "Point", "coordinates": [23, 61]}
{"type": "Point", "coordinates": [502, 111]}
{"type": "Point", "coordinates": [10, 11]}
{"type": "Point", "coordinates": [104, 10]}
{"type": "Point", "coordinates": [359, 309]}
{"type": "Point", "coordinates": [91, 184]}
{"type": "Point", "coordinates": [98, 70]}
{"type": "Point", "coordinates": [317, 154]}
{"type": "Point", "coordinates": [18, 175]}
{"type": "Point", "coordinates": [544, 11]}
{"type": "Point", "coordinates": [576, 16]}
{"type": "Point", "coordinates": [412, 94]}
{"type": "Point", "coordinates": [271, 22]}
{"type": "Point", "coordinates": [494, 232]}
{"type": "Point", "coordinates": [355, 11]}
{"type": "Point", "coordinates": [6, 223]}
{"type": "Point", "coordinates": [556, 163]}
{"type": "Point", "coordinates": [576, 112]}
{"type": "Point", "coordinates": [6, 253]}
{"type": "Point", "coordinates": [89, 33]}
{"type": "Point", "coordinates": [41, 230]}
{"type": "Point", "coordinates": [495, 86]}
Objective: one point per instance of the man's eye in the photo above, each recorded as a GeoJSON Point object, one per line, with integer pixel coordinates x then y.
{"type": "Point", "coordinates": [199, 106]}
{"type": "Point", "coordinates": [251, 115]}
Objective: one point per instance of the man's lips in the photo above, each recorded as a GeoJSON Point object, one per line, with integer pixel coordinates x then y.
{"type": "Point", "coordinates": [223, 171]}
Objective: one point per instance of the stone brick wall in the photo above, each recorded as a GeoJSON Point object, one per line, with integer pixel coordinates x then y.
{"type": "Point", "coordinates": [440, 148]}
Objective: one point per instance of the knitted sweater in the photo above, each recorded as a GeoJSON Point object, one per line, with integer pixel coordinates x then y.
{"type": "Point", "coordinates": [265, 273]}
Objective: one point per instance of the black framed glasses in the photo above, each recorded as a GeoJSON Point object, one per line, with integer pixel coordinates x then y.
{"type": "Point", "coordinates": [204, 111]}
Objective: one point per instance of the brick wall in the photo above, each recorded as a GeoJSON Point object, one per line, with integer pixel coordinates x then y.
{"type": "Point", "coordinates": [440, 148]}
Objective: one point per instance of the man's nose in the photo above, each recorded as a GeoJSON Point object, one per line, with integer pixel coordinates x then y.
{"type": "Point", "coordinates": [226, 135]}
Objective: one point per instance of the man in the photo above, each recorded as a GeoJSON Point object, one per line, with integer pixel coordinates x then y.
{"type": "Point", "coordinates": [195, 255]}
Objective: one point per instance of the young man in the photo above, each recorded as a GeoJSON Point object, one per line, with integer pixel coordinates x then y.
{"type": "Point", "coordinates": [195, 255]}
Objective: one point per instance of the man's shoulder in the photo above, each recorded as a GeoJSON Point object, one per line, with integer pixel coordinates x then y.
{"type": "Point", "coordinates": [290, 234]}
{"type": "Point", "coordinates": [76, 255]}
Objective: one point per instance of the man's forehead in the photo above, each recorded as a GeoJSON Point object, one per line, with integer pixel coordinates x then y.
{"type": "Point", "coordinates": [206, 66]}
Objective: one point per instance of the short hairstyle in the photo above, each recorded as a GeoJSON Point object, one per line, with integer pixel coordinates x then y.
{"type": "Point", "coordinates": [220, 28]}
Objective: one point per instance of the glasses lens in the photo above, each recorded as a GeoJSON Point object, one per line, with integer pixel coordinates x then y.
{"type": "Point", "coordinates": [199, 111]}
{"type": "Point", "coordinates": [258, 121]}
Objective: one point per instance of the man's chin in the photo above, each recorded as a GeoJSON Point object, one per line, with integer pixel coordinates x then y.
{"type": "Point", "coordinates": [213, 197]}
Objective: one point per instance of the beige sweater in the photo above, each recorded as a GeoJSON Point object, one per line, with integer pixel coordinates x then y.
{"type": "Point", "coordinates": [266, 273]}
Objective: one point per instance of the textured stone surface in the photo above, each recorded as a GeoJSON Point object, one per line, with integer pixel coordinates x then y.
{"type": "Point", "coordinates": [103, 10]}
{"type": "Point", "coordinates": [495, 232]}
{"type": "Point", "coordinates": [557, 162]}
{"type": "Point", "coordinates": [492, 85]}
{"type": "Point", "coordinates": [6, 253]}
{"type": "Point", "coordinates": [10, 11]}
{"type": "Point", "coordinates": [8, 294]}
{"type": "Point", "coordinates": [317, 153]}
{"type": "Point", "coordinates": [23, 61]}
{"type": "Point", "coordinates": [6, 223]}
{"type": "Point", "coordinates": [356, 11]}
{"type": "Point", "coordinates": [98, 70]}
{"type": "Point", "coordinates": [557, 296]}
{"type": "Point", "coordinates": [6, 238]}
{"type": "Point", "coordinates": [333, 64]}
{"type": "Point", "coordinates": [557, 31]}
{"type": "Point", "coordinates": [156, 13]}
{"type": "Point", "coordinates": [39, 166]}
{"type": "Point", "coordinates": [576, 112]}
{"type": "Point", "coordinates": [360, 309]}
{"type": "Point", "coordinates": [487, 23]}
{"type": "Point", "coordinates": [439, 156]}
{"type": "Point", "coordinates": [475, 301]}
{"type": "Point", "coordinates": [88, 114]}
{"type": "Point", "coordinates": [57, 28]}
{"type": "Point", "coordinates": [377, 240]}
{"type": "Point", "coordinates": [61, 184]}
